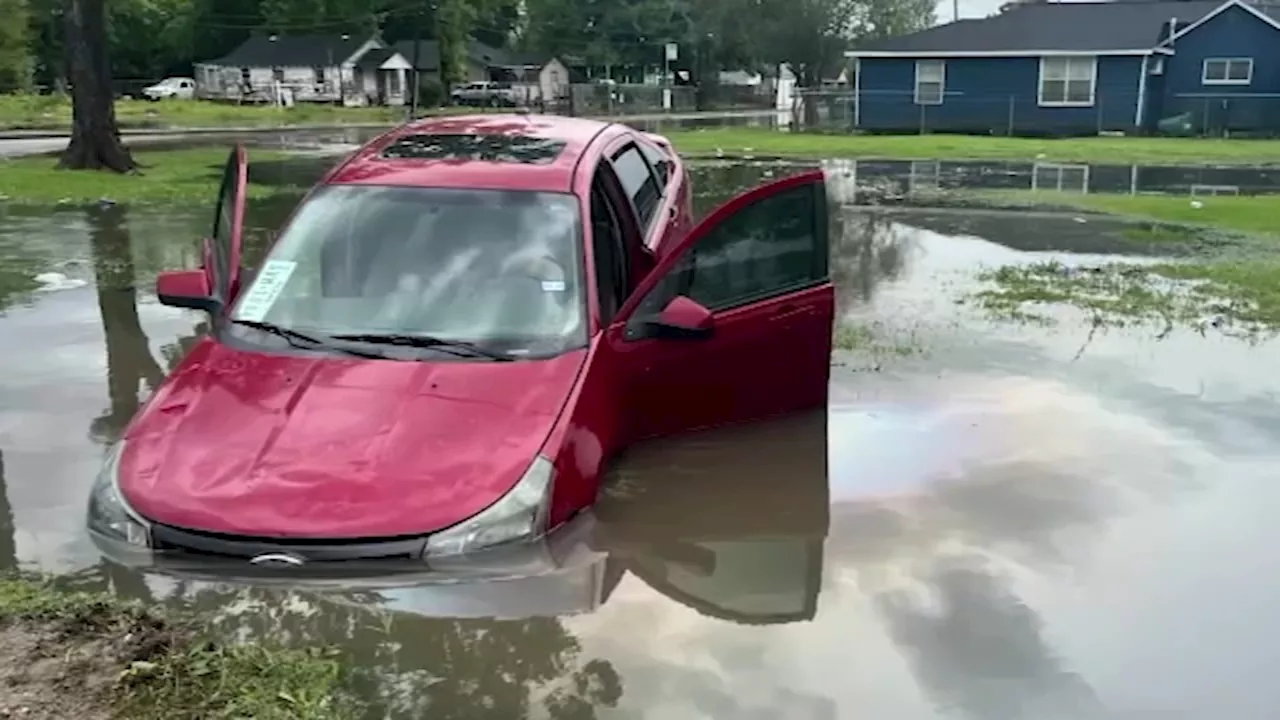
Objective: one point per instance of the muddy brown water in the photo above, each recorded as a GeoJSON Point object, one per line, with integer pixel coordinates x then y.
{"type": "Point", "coordinates": [986, 523]}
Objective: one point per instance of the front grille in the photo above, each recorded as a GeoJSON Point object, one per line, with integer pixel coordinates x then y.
{"type": "Point", "coordinates": [172, 539]}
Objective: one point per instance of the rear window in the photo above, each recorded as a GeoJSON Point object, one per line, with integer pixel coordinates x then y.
{"type": "Point", "coordinates": [492, 148]}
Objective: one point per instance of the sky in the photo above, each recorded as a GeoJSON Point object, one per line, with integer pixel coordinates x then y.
{"type": "Point", "coordinates": [968, 9]}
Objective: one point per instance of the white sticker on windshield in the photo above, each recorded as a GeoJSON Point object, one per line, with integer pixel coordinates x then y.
{"type": "Point", "coordinates": [553, 286]}
{"type": "Point", "coordinates": [266, 288]}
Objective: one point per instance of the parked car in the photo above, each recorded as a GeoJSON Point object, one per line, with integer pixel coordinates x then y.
{"type": "Point", "coordinates": [450, 339]}
{"type": "Point", "coordinates": [179, 88]}
{"type": "Point", "coordinates": [485, 94]}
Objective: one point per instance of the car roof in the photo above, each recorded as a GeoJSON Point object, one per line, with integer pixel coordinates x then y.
{"type": "Point", "coordinates": [370, 166]}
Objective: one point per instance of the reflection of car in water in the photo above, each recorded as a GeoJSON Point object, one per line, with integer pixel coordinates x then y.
{"type": "Point", "coordinates": [452, 336]}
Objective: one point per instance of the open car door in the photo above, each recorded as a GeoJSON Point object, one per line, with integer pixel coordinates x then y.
{"type": "Point", "coordinates": [734, 324]}
{"type": "Point", "coordinates": [223, 247]}
{"type": "Point", "coordinates": [730, 522]}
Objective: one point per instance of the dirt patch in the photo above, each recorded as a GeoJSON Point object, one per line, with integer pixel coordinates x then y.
{"type": "Point", "coordinates": [91, 657]}
{"type": "Point", "coordinates": [72, 663]}
{"type": "Point", "coordinates": [45, 677]}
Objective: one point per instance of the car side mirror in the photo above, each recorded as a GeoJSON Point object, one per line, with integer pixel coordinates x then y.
{"type": "Point", "coordinates": [186, 289]}
{"type": "Point", "coordinates": [683, 318]}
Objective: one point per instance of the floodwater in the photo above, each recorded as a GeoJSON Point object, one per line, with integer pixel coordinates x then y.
{"type": "Point", "coordinates": [991, 521]}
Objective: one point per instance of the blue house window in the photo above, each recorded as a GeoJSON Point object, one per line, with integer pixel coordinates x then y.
{"type": "Point", "coordinates": [1227, 71]}
{"type": "Point", "coordinates": [931, 80]}
{"type": "Point", "coordinates": [1068, 81]}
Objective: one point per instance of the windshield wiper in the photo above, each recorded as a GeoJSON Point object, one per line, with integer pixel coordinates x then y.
{"type": "Point", "coordinates": [426, 341]}
{"type": "Point", "coordinates": [303, 340]}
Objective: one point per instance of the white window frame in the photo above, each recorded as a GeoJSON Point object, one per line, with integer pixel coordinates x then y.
{"type": "Point", "coordinates": [941, 81]}
{"type": "Point", "coordinates": [1226, 75]}
{"type": "Point", "coordinates": [1072, 62]}
{"type": "Point", "coordinates": [1214, 190]}
{"type": "Point", "coordinates": [925, 176]}
{"type": "Point", "coordinates": [1056, 172]}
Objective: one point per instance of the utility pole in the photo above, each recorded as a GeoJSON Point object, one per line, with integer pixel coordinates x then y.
{"type": "Point", "coordinates": [955, 10]}
{"type": "Point", "coordinates": [417, 58]}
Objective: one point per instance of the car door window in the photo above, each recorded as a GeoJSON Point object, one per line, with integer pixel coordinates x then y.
{"type": "Point", "coordinates": [607, 248]}
{"type": "Point", "coordinates": [660, 161]}
{"type": "Point", "coordinates": [223, 226]}
{"type": "Point", "coordinates": [772, 247]}
{"type": "Point", "coordinates": [638, 181]}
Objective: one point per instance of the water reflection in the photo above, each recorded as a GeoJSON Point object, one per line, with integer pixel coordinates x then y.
{"type": "Point", "coordinates": [8, 543]}
{"type": "Point", "coordinates": [129, 359]}
{"type": "Point", "coordinates": [979, 651]}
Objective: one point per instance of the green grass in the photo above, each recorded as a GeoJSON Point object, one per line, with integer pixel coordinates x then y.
{"type": "Point", "coordinates": [163, 667]}
{"type": "Point", "coordinates": [53, 112]}
{"type": "Point", "coordinates": [166, 176]}
{"type": "Point", "coordinates": [1121, 150]}
{"type": "Point", "coordinates": [1243, 293]}
{"type": "Point", "coordinates": [1251, 214]}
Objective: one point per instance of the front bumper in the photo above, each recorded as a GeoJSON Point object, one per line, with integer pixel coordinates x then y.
{"type": "Point", "coordinates": [569, 546]}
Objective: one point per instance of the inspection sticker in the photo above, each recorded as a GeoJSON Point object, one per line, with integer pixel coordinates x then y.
{"type": "Point", "coordinates": [553, 286]}
{"type": "Point", "coordinates": [266, 288]}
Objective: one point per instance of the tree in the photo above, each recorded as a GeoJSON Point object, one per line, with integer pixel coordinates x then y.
{"type": "Point", "coordinates": [95, 139]}
{"type": "Point", "coordinates": [15, 52]}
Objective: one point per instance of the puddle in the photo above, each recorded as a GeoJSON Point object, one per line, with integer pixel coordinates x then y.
{"type": "Point", "coordinates": [992, 524]}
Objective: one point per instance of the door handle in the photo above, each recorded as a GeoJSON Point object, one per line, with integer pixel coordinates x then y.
{"type": "Point", "coordinates": [788, 312]}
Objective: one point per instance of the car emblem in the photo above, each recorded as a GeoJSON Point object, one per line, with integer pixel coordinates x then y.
{"type": "Point", "coordinates": [277, 559]}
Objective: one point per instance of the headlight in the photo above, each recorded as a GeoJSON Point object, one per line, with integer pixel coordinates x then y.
{"type": "Point", "coordinates": [521, 514]}
{"type": "Point", "coordinates": [109, 514]}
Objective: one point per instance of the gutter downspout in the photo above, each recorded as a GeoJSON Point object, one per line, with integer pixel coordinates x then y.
{"type": "Point", "coordinates": [1140, 111]}
{"type": "Point", "coordinates": [857, 93]}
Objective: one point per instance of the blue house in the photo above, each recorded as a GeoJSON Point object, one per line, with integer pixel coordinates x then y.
{"type": "Point", "coordinates": [1074, 68]}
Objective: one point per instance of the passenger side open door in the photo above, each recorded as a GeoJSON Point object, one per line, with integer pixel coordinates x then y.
{"type": "Point", "coordinates": [224, 246]}
{"type": "Point", "coordinates": [734, 324]}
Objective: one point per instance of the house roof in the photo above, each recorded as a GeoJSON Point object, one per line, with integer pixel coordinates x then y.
{"type": "Point", "coordinates": [374, 58]}
{"type": "Point", "coordinates": [428, 51]}
{"type": "Point", "coordinates": [482, 54]}
{"type": "Point", "coordinates": [1122, 25]}
{"type": "Point", "coordinates": [297, 50]}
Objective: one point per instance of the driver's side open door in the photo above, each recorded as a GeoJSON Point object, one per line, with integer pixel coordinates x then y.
{"type": "Point", "coordinates": [734, 323]}
{"type": "Point", "coordinates": [225, 244]}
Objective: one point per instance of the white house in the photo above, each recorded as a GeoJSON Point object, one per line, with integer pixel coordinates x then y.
{"type": "Point", "coordinates": [535, 79]}
{"type": "Point", "coordinates": [315, 68]}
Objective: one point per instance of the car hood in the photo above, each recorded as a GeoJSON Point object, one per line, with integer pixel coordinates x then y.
{"type": "Point", "coordinates": [305, 447]}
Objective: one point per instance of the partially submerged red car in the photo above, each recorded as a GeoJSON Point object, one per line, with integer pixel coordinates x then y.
{"type": "Point", "coordinates": [455, 332]}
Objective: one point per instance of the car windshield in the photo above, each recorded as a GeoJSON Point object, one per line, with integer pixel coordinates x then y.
{"type": "Point", "coordinates": [169, 82]}
{"type": "Point", "coordinates": [496, 269]}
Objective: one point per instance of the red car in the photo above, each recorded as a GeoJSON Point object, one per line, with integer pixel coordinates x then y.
{"type": "Point", "coordinates": [455, 332]}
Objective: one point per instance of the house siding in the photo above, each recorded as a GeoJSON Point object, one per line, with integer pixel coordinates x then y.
{"type": "Point", "coordinates": [219, 82]}
{"type": "Point", "coordinates": [997, 95]}
{"type": "Point", "coordinates": [1215, 109]}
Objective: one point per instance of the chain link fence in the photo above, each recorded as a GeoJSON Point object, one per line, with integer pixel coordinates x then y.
{"type": "Point", "coordinates": [619, 99]}
{"type": "Point", "coordinates": [1020, 115]}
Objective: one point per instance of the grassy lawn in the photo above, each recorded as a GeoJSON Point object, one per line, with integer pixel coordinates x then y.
{"type": "Point", "coordinates": [1114, 150]}
{"type": "Point", "coordinates": [1250, 214]}
{"type": "Point", "coordinates": [167, 176]}
{"type": "Point", "coordinates": [49, 112]}
{"type": "Point", "coordinates": [92, 657]}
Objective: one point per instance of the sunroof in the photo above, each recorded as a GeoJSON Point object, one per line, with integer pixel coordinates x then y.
{"type": "Point", "coordinates": [492, 148]}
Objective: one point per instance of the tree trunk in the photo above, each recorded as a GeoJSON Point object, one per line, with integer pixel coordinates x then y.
{"type": "Point", "coordinates": [95, 139]}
